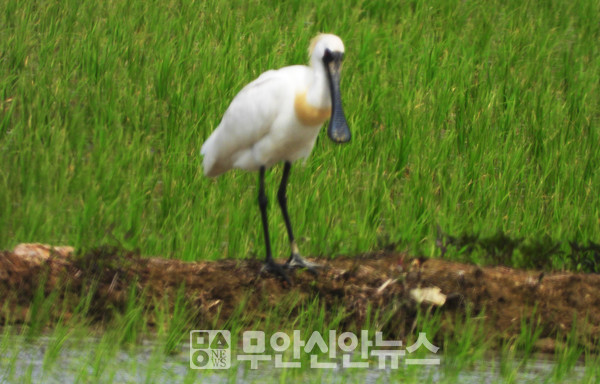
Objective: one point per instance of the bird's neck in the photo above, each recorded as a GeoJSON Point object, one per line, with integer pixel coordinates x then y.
{"type": "Point", "coordinates": [318, 94]}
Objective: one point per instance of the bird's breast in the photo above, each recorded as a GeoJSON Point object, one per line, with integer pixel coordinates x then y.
{"type": "Point", "coordinates": [307, 114]}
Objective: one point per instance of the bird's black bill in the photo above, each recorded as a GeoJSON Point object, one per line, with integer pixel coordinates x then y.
{"type": "Point", "coordinates": [338, 130]}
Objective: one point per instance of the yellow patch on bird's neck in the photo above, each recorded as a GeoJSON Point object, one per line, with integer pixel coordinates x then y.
{"type": "Point", "coordinates": [309, 115]}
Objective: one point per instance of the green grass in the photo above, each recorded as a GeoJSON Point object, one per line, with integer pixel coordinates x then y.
{"type": "Point", "coordinates": [71, 352]}
{"type": "Point", "coordinates": [480, 117]}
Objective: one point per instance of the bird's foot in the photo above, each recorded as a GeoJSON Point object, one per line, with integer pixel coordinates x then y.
{"type": "Point", "coordinates": [296, 261]}
{"type": "Point", "coordinates": [277, 270]}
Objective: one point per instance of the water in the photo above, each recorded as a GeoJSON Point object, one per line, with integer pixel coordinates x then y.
{"type": "Point", "coordinates": [90, 360]}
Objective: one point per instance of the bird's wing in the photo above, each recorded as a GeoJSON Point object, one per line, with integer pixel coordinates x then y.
{"type": "Point", "coordinates": [248, 119]}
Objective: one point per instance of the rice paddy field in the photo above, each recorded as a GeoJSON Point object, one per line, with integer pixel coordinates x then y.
{"type": "Point", "coordinates": [476, 128]}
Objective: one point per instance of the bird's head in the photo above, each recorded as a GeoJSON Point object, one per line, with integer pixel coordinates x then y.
{"type": "Point", "coordinates": [324, 42]}
{"type": "Point", "coordinates": [328, 49]}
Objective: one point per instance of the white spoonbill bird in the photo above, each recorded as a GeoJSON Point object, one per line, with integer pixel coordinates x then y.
{"type": "Point", "coordinates": [275, 118]}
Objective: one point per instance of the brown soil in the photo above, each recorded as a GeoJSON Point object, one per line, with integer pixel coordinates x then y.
{"type": "Point", "coordinates": [384, 281]}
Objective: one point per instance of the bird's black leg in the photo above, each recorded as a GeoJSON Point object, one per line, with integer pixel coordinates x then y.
{"type": "Point", "coordinates": [295, 259]}
{"type": "Point", "coordinates": [270, 265]}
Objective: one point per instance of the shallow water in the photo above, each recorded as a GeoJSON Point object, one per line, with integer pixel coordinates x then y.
{"type": "Point", "coordinates": [84, 360]}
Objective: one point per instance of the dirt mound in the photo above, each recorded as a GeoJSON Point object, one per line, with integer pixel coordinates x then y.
{"type": "Point", "coordinates": [386, 281]}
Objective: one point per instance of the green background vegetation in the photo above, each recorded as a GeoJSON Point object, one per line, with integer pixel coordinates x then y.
{"type": "Point", "coordinates": [479, 117]}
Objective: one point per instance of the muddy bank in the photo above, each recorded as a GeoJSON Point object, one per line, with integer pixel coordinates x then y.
{"type": "Point", "coordinates": [394, 283]}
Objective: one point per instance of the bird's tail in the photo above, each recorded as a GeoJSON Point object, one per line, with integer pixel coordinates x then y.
{"type": "Point", "coordinates": [209, 158]}
{"type": "Point", "coordinates": [211, 163]}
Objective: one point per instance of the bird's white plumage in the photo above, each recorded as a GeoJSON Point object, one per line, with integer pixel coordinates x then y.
{"type": "Point", "coordinates": [261, 125]}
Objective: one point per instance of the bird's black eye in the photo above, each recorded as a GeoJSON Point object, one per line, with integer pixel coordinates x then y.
{"type": "Point", "coordinates": [328, 56]}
